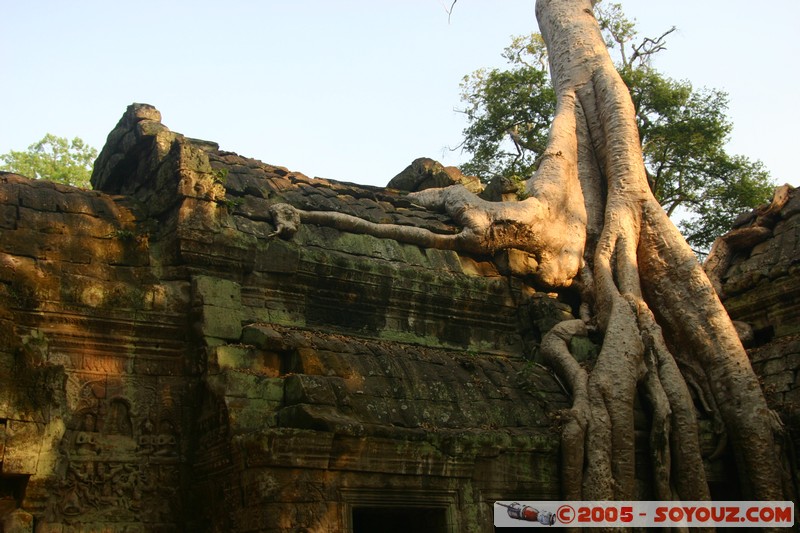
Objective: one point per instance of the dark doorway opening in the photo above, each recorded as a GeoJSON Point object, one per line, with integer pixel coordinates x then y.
{"type": "Point", "coordinates": [400, 520]}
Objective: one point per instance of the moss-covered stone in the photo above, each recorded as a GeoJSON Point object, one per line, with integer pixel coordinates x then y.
{"type": "Point", "coordinates": [218, 292]}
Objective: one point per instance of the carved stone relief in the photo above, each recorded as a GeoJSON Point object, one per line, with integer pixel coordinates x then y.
{"type": "Point", "coordinates": [119, 458]}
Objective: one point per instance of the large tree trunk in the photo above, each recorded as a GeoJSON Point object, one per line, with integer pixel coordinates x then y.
{"type": "Point", "coordinates": [641, 263]}
{"type": "Point", "coordinates": [591, 219]}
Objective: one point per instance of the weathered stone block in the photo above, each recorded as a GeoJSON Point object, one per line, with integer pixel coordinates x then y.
{"type": "Point", "coordinates": [792, 402]}
{"type": "Point", "coordinates": [446, 260]}
{"type": "Point", "coordinates": [302, 388]}
{"type": "Point", "coordinates": [49, 527]}
{"type": "Point", "coordinates": [309, 361]}
{"type": "Point", "coordinates": [218, 292]}
{"type": "Point", "coordinates": [471, 267]}
{"type": "Point", "coordinates": [170, 296]}
{"type": "Point", "coordinates": [793, 361]}
{"type": "Point", "coordinates": [8, 216]}
{"type": "Point", "coordinates": [516, 262]}
{"type": "Point", "coordinates": [791, 208]}
{"type": "Point", "coordinates": [780, 382]}
{"type": "Point", "coordinates": [319, 418]}
{"type": "Point", "coordinates": [272, 389]}
{"type": "Point", "coordinates": [221, 322]}
{"type": "Point", "coordinates": [248, 414]}
{"type": "Point", "coordinates": [543, 312]}
{"type": "Point", "coordinates": [425, 173]}
{"type": "Point", "coordinates": [158, 366]}
{"type": "Point", "coordinates": [773, 366]}
{"type": "Point", "coordinates": [264, 337]}
{"type": "Point", "coordinates": [787, 326]}
{"type": "Point", "coordinates": [232, 356]}
{"type": "Point", "coordinates": [259, 230]}
{"type": "Point", "coordinates": [23, 443]}
{"type": "Point", "coordinates": [253, 386]}
{"type": "Point", "coordinates": [583, 349]}
{"type": "Point", "coordinates": [39, 195]}
{"type": "Point", "coordinates": [287, 447]}
{"type": "Point", "coordinates": [18, 521]}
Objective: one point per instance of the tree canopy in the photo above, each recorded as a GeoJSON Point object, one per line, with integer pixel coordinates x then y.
{"type": "Point", "coordinates": [55, 159]}
{"type": "Point", "coordinates": [683, 130]}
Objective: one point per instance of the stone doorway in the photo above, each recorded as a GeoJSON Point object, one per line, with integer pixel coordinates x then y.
{"type": "Point", "coordinates": [394, 510]}
{"type": "Point", "coordinates": [400, 519]}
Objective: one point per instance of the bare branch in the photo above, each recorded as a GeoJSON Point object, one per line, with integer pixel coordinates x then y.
{"type": "Point", "coordinates": [450, 11]}
{"type": "Point", "coordinates": [459, 146]}
{"type": "Point", "coordinates": [650, 46]}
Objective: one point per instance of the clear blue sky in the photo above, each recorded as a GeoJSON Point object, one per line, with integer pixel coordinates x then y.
{"type": "Point", "coordinates": [352, 90]}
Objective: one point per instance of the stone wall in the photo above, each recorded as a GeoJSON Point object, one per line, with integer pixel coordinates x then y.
{"type": "Point", "coordinates": [168, 364]}
{"type": "Point", "coordinates": [96, 362]}
{"type": "Point", "coordinates": [761, 288]}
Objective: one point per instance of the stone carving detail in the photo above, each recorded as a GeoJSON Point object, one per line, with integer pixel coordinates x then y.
{"type": "Point", "coordinates": [108, 491]}
{"type": "Point", "coordinates": [119, 456]}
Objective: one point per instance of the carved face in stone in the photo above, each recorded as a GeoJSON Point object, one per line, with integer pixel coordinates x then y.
{"type": "Point", "coordinates": [89, 423]}
{"type": "Point", "coordinates": [147, 426]}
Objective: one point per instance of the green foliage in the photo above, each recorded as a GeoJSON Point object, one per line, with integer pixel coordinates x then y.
{"type": "Point", "coordinates": [508, 113]}
{"type": "Point", "coordinates": [124, 234]}
{"type": "Point", "coordinates": [683, 130]}
{"type": "Point", "coordinates": [737, 186]}
{"type": "Point", "coordinates": [221, 175]}
{"type": "Point", "coordinates": [683, 134]}
{"type": "Point", "coordinates": [617, 29]}
{"type": "Point", "coordinates": [55, 159]}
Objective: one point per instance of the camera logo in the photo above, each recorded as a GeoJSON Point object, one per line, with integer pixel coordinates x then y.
{"type": "Point", "coordinates": [528, 513]}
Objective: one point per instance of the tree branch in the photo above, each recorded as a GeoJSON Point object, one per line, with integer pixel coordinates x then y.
{"type": "Point", "coordinates": [450, 11]}
{"type": "Point", "coordinates": [649, 47]}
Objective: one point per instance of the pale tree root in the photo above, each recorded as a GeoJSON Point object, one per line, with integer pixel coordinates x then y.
{"type": "Point", "coordinates": [612, 391]}
{"type": "Point", "coordinates": [555, 352]}
{"type": "Point", "coordinates": [695, 315]}
{"type": "Point", "coordinates": [591, 211]}
{"type": "Point", "coordinates": [598, 448]}
{"type": "Point", "coordinates": [550, 224]}
{"type": "Point", "coordinates": [682, 454]}
{"type": "Point", "coordinates": [697, 381]}
{"type": "Point", "coordinates": [640, 257]}
{"type": "Point", "coordinates": [487, 227]}
{"type": "Point", "coordinates": [660, 425]}
{"type": "Point", "coordinates": [588, 425]}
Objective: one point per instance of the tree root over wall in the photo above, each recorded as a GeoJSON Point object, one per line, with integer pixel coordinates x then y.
{"type": "Point", "coordinates": [590, 220]}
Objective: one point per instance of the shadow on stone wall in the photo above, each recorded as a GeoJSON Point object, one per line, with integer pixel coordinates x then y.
{"type": "Point", "coordinates": [168, 364]}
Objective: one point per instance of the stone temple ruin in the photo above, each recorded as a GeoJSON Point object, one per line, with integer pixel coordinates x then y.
{"type": "Point", "coordinates": [168, 364]}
